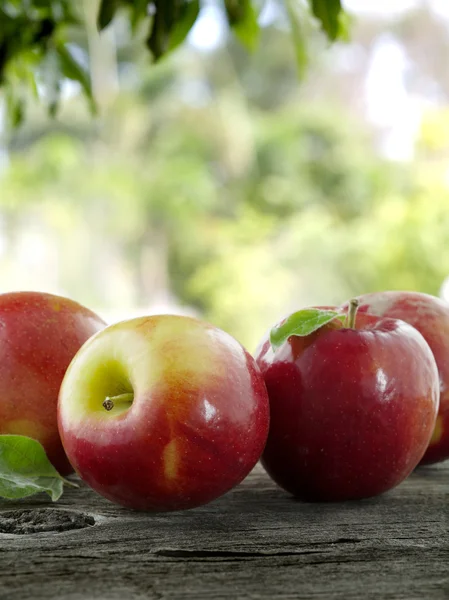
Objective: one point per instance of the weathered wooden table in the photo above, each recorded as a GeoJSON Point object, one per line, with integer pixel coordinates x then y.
{"type": "Point", "coordinates": [255, 542]}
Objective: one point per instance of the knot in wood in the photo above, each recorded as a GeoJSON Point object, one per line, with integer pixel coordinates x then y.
{"type": "Point", "coordinates": [25, 522]}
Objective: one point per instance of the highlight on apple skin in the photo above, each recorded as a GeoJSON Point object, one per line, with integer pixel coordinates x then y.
{"type": "Point", "coordinates": [39, 335]}
{"type": "Point", "coordinates": [163, 413]}
{"type": "Point", "coordinates": [430, 316]}
{"type": "Point", "coordinates": [352, 408]}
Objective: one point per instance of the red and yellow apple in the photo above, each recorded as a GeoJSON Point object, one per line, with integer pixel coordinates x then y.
{"type": "Point", "coordinates": [430, 316]}
{"type": "Point", "coordinates": [163, 413]}
{"type": "Point", "coordinates": [39, 335]}
{"type": "Point", "coordinates": [353, 405]}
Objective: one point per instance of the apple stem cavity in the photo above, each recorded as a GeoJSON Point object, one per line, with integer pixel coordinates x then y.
{"type": "Point", "coordinates": [352, 312]}
{"type": "Point", "coordinates": [111, 401]}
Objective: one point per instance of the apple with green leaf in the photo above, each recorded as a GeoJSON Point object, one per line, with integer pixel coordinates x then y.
{"type": "Point", "coordinates": [163, 413]}
{"type": "Point", "coordinates": [430, 316]}
{"type": "Point", "coordinates": [353, 403]}
{"type": "Point", "coordinates": [39, 335]}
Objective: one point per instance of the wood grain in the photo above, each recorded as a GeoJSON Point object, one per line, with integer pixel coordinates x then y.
{"type": "Point", "coordinates": [255, 542]}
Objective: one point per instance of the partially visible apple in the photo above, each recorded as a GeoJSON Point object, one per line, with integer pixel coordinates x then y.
{"type": "Point", "coordinates": [163, 413]}
{"type": "Point", "coordinates": [39, 335]}
{"type": "Point", "coordinates": [353, 404]}
{"type": "Point", "coordinates": [430, 316]}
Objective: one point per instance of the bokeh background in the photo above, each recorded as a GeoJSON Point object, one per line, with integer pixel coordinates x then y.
{"type": "Point", "coordinates": [218, 183]}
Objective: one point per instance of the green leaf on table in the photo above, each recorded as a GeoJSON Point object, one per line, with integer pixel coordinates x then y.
{"type": "Point", "coordinates": [328, 13]}
{"type": "Point", "coordinates": [242, 17]}
{"type": "Point", "coordinates": [25, 469]}
{"type": "Point", "coordinates": [302, 323]}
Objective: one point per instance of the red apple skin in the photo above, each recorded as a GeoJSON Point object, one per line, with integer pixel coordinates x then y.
{"type": "Point", "coordinates": [430, 316]}
{"type": "Point", "coordinates": [196, 427]}
{"type": "Point", "coordinates": [39, 335]}
{"type": "Point", "coordinates": [352, 410]}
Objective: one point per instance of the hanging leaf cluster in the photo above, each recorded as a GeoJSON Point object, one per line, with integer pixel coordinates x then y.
{"type": "Point", "coordinates": [40, 48]}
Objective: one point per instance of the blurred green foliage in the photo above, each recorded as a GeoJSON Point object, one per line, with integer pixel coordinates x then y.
{"type": "Point", "coordinates": [211, 179]}
{"type": "Point", "coordinates": [45, 42]}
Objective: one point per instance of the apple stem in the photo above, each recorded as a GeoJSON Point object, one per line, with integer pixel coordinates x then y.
{"type": "Point", "coordinates": [111, 401]}
{"type": "Point", "coordinates": [70, 483]}
{"type": "Point", "coordinates": [352, 312]}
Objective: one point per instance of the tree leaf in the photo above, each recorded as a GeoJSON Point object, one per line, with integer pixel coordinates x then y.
{"type": "Point", "coordinates": [345, 22]}
{"type": "Point", "coordinates": [109, 8]}
{"type": "Point", "coordinates": [328, 13]}
{"type": "Point", "coordinates": [51, 73]}
{"type": "Point", "coordinates": [139, 12]}
{"type": "Point", "coordinates": [106, 13]}
{"type": "Point", "coordinates": [302, 323]}
{"type": "Point", "coordinates": [298, 34]}
{"type": "Point", "coordinates": [15, 107]}
{"type": "Point", "coordinates": [72, 69]}
{"type": "Point", "coordinates": [242, 17]}
{"type": "Point", "coordinates": [25, 469]}
{"type": "Point", "coordinates": [172, 21]}
{"type": "Point", "coordinates": [188, 16]}
{"type": "Point", "coordinates": [157, 41]}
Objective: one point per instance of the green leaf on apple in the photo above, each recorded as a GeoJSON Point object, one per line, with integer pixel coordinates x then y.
{"type": "Point", "coordinates": [25, 469]}
{"type": "Point", "coordinates": [302, 323]}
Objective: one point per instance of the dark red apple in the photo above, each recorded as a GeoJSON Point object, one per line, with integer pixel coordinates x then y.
{"type": "Point", "coordinates": [353, 405]}
{"type": "Point", "coordinates": [39, 335]}
{"type": "Point", "coordinates": [163, 413]}
{"type": "Point", "coordinates": [430, 316]}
